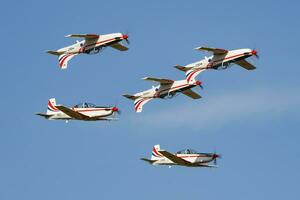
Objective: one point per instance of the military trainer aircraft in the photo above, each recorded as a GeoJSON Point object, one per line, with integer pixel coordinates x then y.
{"type": "Point", "coordinates": [82, 111]}
{"type": "Point", "coordinates": [222, 59]}
{"type": "Point", "coordinates": [166, 89]}
{"type": "Point", "coordinates": [187, 158]}
{"type": "Point", "coordinates": [91, 44]}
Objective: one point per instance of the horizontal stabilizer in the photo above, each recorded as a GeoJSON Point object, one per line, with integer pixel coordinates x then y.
{"type": "Point", "coordinates": [56, 53]}
{"type": "Point", "coordinates": [147, 160]}
{"type": "Point", "coordinates": [132, 97]}
{"type": "Point", "coordinates": [181, 68]}
{"type": "Point", "coordinates": [43, 115]}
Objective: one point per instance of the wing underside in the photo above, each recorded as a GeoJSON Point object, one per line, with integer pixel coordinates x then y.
{"type": "Point", "coordinates": [175, 159]}
{"type": "Point", "coordinates": [190, 93]}
{"type": "Point", "coordinates": [86, 36]}
{"type": "Point", "coordinates": [72, 113]}
{"type": "Point", "coordinates": [245, 64]}
{"type": "Point", "coordinates": [215, 51]}
{"type": "Point", "coordinates": [119, 47]}
{"type": "Point", "coordinates": [159, 80]}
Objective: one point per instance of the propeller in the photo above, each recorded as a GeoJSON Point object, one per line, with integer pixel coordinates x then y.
{"type": "Point", "coordinates": [215, 156]}
{"type": "Point", "coordinates": [125, 37]}
{"type": "Point", "coordinates": [255, 53]}
{"type": "Point", "coordinates": [115, 109]}
{"type": "Point", "coordinates": [199, 83]}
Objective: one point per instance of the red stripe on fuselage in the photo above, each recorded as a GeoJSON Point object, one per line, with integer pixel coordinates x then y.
{"type": "Point", "coordinates": [92, 110]}
{"type": "Point", "coordinates": [196, 156]}
{"type": "Point", "coordinates": [170, 89]}
{"type": "Point", "coordinates": [86, 47]}
{"type": "Point", "coordinates": [226, 58]}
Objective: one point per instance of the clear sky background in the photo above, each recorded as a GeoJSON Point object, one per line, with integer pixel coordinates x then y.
{"type": "Point", "coordinates": [251, 118]}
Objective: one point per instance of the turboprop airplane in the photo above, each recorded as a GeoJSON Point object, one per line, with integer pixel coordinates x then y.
{"type": "Point", "coordinates": [222, 59]}
{"type": "Point", "coordinates": [186, 157]}
{"type": "Point", "coordinates": [82, 111]}
{"type": "Point", "coordinates": [166, 89]}
{"type": "Point", "coordinates": [91, 44]}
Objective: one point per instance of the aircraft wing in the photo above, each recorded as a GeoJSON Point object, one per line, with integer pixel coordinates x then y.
{"type": "Point", "coordinates": [245, 64]}
{"type": "Point", "coordinates": [72, 113]}
{"type": "Point", "coordinates": [191, 93]}
{"type": "Point", "coordinates": [215, 51]}
{"type": "Point", "coordinates": [119, 47]}
{"type": "Point", "coordinates": [86, 36]}
{"type": "Point", "coordinates": [160, 80]}
{"type": "Point", "coordinates": [205, 165]}
{"type": "Point", "coordinates": [175, 159]}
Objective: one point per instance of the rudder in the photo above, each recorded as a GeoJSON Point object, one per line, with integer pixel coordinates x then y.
{"type": "Point", "coordinates": [51, 106]}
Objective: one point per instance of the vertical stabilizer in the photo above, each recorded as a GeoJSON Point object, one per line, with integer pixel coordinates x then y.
{"type": "Point", "coordinates": [51, 106]}
{"type": "Point", "coordinates": [155, 152]}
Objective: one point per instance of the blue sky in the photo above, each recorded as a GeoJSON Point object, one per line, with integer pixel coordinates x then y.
{"type": "Point", "coordinates": [251, 118]}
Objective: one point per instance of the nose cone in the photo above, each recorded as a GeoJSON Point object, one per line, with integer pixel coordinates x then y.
{"type": "Point", "coordinates": [115, 109]}
{"type": "Point", "coordinates": [216, 156]}
{"type": "Point", "coordinates": [198, 83]}
{"type": "Point", "coordinates": [254, 52]}
{"type": "Point", "coordinates": [125, 37]}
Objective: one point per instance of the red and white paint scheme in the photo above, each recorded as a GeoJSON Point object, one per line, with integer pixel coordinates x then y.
{"type": "Point", "coordinates": [82, 111]}
{"type": "Point", "coordinates": [166, 89]}
{"type": "Point", "coordinates": [91, 44]}
{"type": "Point", "coordinates": [186, 157]}
{"type": "Point", "coordinates": [222, 59]}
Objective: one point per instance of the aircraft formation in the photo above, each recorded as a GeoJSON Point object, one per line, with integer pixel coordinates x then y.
{"type": "Point", "coordinates": [165, 89]}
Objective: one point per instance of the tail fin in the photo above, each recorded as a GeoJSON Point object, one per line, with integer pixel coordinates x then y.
{"type": "Point", "coordinates": [51, 106]}
{"type": "Point", "coordinates": [63, 60]}
{"type": "Point", "coordinates": [191, 74]}
{"type": "Point", "coordinates": [155, 152]}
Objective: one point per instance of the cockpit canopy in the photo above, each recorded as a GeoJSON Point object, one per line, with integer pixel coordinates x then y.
{"type": "Point", "coordinates": [85, 105]}
{"type": "Point", "coordinates": [187, 151]}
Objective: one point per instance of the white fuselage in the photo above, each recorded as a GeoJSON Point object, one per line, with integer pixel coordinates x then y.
{"type": "Point", "coordinates": [86, 46]}
{"type": "Point", "coordinates": [193, 158]}
{"type": "Point", "coordinates": [219, 61]}
{"type": "Point", "coordinates": [164, 90]}
{"type": "Point", "coordinates": [91, 112]}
